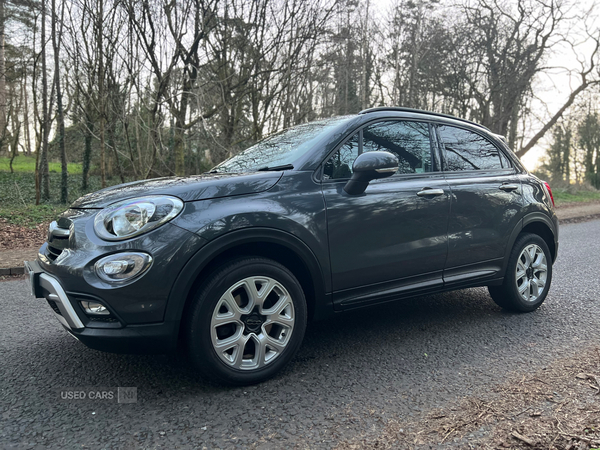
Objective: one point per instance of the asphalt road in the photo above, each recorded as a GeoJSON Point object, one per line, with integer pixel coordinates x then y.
{"type": "Point", "coordinates": [353, 374]}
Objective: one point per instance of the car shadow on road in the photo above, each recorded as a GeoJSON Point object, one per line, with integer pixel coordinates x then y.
{"type": "Point", "coordinates": [399, 337]}
{"type": "Point", "coordinates": [453, 328]}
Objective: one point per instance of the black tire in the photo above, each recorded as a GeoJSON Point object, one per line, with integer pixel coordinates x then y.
{"type": "Point", "coordinates": [199, 326]}
{"type": "Point", "coordinates": [507, 295]}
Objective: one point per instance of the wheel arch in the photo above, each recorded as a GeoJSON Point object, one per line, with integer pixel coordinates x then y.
{"type": "Point", "coordinates": [278, 245]}
{"type": "Point", "coordinates": [543, 226]}
{"type": "Point", "coordinates": [536, 223]}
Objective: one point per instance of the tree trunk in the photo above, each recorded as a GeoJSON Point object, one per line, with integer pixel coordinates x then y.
{"type": "Point", "coordinates": [130, 148]}
{"type": "Point", "coordinates": [101, 99]}
{"type": "Point", "coordinates": [87, 153]}
{"type": "Point", "coordinates": [3, 124]}
{"type": "Point", "coordinates": [26, 116]}
{"type": "Point", "coordinates": [44, 176]}
{"type": "Point", "coordinates": [112, 143]}
{"type": "Point", "coordinates": [138, 144]}
{"type": "Point", "coordinates": [15, 138]}
{"type": "Point", "coordinates": [567, 156]}
{"type": "Point", "coordinates": [60, 115]}
{"type": "Point", "coordinates": [596, 177]}
{"type": "Point", "coordinates": [514, 123]}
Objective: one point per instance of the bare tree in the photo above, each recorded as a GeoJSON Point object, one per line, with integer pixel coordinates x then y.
{"type": "Point", "coordinates": [589, 76]}
{"type": "Point", "coordinates": [44, 180]}
{"type": "Point", "coordinates": [153, 88]}
{"type": "Point", "coordinates": [3, 122]}
{"type": "Point", "coordinates": [56, 39]}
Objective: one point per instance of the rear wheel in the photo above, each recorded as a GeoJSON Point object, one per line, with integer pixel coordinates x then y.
{"type": "Point", "coordinates": [247, 321]}
{"type": "Point", "coordinates": [528, 275]}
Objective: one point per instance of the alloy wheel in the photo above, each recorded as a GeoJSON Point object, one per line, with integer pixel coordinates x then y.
{"type": "Point", "coordinates": [531, 272]}
{"type": "Point", "coordinates": [252, 323]}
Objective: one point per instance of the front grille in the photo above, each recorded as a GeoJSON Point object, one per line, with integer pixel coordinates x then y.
{"type": "Point", "coordinates": [58, 238]}
{"type": "Point", "coordinates": [53, 253]}
{"type": "Point", "coordinates": [107, 319]}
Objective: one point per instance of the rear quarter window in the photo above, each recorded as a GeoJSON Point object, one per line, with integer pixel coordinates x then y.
{"type": "Point", "coordinates": [466, 150]}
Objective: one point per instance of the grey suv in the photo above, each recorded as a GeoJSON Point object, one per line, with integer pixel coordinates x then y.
{"type": "Point", "coordinates": [319, 219]}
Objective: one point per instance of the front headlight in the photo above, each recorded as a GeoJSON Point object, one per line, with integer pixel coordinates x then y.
{"type": "Point", "coordinates": [129, 218]}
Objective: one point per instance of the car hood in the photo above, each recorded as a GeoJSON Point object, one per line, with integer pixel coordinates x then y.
{"type": "Point", "coordinates": [197, 187]}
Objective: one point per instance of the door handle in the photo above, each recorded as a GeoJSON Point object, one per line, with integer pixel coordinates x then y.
{"type": "Point", "coordinates": [509, 187]}
{"type": "Point", "coordinates": [430, 192]}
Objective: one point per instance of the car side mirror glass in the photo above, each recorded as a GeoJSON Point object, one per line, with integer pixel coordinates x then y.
{"type": "Point", "coordinates": [370, 166]}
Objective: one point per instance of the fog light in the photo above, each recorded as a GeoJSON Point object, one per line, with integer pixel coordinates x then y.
{"type": "Point", "coordinates": [122, 267]}
{"type": "Point", "coordinates": [115, 267]}
{"type": "Point", "coordinates": [95, 308]}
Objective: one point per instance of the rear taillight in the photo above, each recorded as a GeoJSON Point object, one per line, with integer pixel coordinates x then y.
{"type": "Point", "coordinates": [549, 189]}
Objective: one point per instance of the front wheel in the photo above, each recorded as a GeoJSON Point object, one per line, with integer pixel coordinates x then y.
{"type": "Point", "coordinates": [247, 321]}
{"type": "Point", "coordinates": [528, 275]}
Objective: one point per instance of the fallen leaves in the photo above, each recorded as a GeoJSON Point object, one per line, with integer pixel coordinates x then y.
{"type": "Point", "coordinates": [552, 409]}
{"type": "Point", "coordinates": [16, 237]}
{"type": "Point", "coordinates": [520, 437]}
{"type": "Point", "coordinates": [589, 376]}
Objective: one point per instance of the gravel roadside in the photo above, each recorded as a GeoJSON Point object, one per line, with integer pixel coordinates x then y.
{"type": "Point", "coordinates": [555, 407]}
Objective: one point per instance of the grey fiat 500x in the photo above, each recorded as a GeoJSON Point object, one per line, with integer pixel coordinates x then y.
{"type": "Point", "coordinates": [318, 219]}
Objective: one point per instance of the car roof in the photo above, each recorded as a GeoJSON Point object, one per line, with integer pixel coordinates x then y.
{"type": "Point", "coordinates": [419, 111]}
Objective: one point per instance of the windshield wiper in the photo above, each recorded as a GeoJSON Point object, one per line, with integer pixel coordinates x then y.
{"type": "Point", "coordinates": [275, 168]}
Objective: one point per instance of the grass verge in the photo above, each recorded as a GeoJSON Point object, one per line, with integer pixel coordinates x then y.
{"type": "Point", "coordinates": [24, 163]}
{"type": "Point", "coordinates": [563, 196]}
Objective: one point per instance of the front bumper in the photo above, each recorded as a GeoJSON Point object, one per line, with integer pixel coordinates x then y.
{"type": "Point", "coordinates": [105, 336]}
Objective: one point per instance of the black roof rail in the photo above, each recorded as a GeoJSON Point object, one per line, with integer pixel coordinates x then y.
{"type": "Point", "coordinates": [420, 111]}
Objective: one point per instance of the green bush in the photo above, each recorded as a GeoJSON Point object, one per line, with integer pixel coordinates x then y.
{"type": "Point", "coordinates": [17, 196]}
{"type": "Point", "coordinates": [19, 188]}
{"type": "Point", "coordinates": [31, 215]}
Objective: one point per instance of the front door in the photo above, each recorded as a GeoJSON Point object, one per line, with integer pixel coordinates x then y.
{"type": "Point", "coordinates": [393, 238]}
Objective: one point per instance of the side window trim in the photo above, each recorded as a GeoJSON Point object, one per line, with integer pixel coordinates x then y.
{"type": "Point", "coordinates": [504, 159]}
{"type": "Point", "coordinates": [440, 146]}
{"type": "Point", "coordinates": [480, 173]}
{"type": "Point", "coordinates": [442, 150]}
{"type": "Point", "coordinates": [360, 141]}
{"type": "Point", "coordinates": [433, 147]}
{"type": "Point", "coordinates": [436, 149]}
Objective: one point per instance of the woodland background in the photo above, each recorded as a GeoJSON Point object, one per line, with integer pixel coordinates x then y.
{"type": "Point", "coordinates": [98, 92]}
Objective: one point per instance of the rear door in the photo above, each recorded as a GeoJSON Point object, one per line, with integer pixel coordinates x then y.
{"type": "Point", "coordinates": [392, 238]}
{"type": "Point", "coordinates": [485, 202]}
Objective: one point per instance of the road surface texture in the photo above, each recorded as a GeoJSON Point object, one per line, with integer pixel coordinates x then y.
{"type": "Point", "coordinates": [354, 375]}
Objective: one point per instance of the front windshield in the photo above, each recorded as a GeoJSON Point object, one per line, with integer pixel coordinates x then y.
{"type": "Point", "coordinates": [280, 149]}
